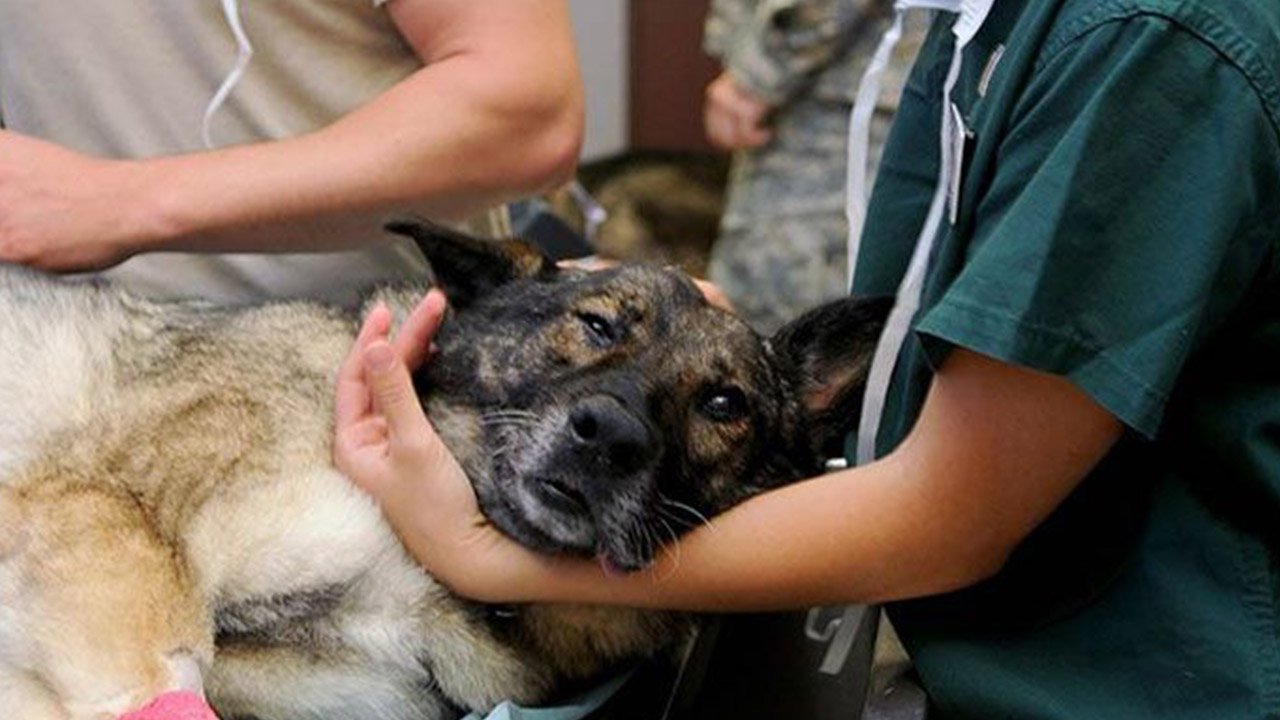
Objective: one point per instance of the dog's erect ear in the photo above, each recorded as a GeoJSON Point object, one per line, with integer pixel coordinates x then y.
{"type": "Point", "coordinates": [467, 267]}
{"type": "Point", "coordinates": [828, 352]}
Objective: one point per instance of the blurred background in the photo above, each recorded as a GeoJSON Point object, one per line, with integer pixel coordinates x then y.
{"type": "Point", "coordinates": [644, 71]}
{"type": "Point", "coordinates": [717, 140]}
{"type": "Point", "coordinates": [646, 158]}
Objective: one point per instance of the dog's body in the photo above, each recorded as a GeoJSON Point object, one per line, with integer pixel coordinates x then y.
{"type": "Point", "coordinates": [169, 514]}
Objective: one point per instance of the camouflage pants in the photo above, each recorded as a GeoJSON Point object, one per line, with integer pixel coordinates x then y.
{"type": "Point", "coordinates": [781, 248]}
{"type": "Point", "coordinates": [781, 266]}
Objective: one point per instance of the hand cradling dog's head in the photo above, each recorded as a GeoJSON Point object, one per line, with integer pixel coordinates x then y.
{"type": "Point", "coordinates": [605, 413]}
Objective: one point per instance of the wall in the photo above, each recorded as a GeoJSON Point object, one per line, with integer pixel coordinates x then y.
{"type": "Point", "coordinates": [601, 30]}
{"type": "Point", "coordinates": [669, 74]}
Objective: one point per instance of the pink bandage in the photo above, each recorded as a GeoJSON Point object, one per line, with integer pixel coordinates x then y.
{"type": "Point", "coordinates": [183, 705]}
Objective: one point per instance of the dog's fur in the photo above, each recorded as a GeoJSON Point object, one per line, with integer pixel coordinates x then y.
{"type": "Point", "coordinates": [169, 516]}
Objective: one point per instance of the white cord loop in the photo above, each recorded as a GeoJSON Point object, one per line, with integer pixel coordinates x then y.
{"type": "Point", "coordinates": [244, 53]}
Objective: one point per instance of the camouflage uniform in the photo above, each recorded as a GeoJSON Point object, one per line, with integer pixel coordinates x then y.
{"type": "Point", "coordinates": [781, 248]}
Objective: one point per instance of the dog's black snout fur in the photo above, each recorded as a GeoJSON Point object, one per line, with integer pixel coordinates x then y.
{"type": "Point", "coordinates": [610, 434]}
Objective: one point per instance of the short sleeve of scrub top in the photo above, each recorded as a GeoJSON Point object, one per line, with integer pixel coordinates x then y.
{"type": "Point", "coordinates": [1122, 221]}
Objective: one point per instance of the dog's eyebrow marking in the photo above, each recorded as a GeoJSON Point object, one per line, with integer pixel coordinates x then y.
{"type": "Point", "coordinates": [602, 304]}
{"type": "Point", "coordinates": [682, 286]}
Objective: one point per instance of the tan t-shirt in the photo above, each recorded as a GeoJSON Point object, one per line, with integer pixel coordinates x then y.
{"type": "Point", "coordinates": [132, 78]}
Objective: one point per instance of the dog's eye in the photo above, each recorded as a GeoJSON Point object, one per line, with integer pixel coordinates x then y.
{"type": "Point", "coordinates": [599, 329]}
{"type": "Point", "coordinates": [724, 404]}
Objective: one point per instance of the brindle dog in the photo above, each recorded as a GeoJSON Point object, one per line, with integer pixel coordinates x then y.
{"type": "Point", "coordinates": [169, 516]}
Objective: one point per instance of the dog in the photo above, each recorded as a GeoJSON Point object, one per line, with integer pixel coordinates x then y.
{"type": "Point", "coordinates": [170, 517]}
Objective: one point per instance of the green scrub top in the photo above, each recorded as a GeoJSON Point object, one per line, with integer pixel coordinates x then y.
{"type": "Point", "coordinates": [1117, 225]}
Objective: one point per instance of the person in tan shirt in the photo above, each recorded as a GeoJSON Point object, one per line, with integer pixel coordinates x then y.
{"type": "Point", "coordinates": [338, 115]}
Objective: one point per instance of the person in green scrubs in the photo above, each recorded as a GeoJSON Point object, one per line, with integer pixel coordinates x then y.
{"type": "Point", "coordinates": [1075, 501]}
{"type": "Point", "coordinates": [1117, 226]}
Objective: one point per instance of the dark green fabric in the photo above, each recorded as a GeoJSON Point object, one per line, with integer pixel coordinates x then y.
{"type": "Point", "coordinates": [1118, 225]}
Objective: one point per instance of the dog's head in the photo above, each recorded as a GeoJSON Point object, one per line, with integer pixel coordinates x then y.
{"type": "Point", "coordinates": [603, 413]}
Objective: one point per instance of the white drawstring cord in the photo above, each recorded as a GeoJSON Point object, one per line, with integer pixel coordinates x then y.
{"type": "Point", "coordinates": [909, 292]}
{"type": "Point", "coordinates": [972, 14]}
{"type": "Point", "coordinates": [593, 213]}
{"type": "Point", "coordinates": [244, 52]}
{"type": "Point", "coordinates": [864, 108]}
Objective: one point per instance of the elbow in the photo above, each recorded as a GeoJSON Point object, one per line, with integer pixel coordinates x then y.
{"type": "Point", "coordinates": [986, 564]}
{"type": "Point", "coordinates": [552, 159]}
{"type": "Point", "coordinates": [538, 136]}
{"type": "Point", "coordinates": [951, 564]}
{"type": "Point", "coordinates": [559, 107]}
{"type": "Point", "coordinates": [513, 133]}
{"type": "Point", "coordinates": [521, 146]}
{"type": "Point", "coordinates": [962, 565]}
{"type": "Point", "coordinates": [560, 126]}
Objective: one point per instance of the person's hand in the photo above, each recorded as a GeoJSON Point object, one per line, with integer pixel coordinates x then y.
{"type": "Point", "coordinates": [63, 211]}
{"type": "Point", "coordinates": [385, 444]}
{"type": "Point", "coordinates": [733, 116]}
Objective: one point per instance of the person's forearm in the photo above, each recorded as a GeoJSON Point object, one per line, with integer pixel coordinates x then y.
{"type": "Point", "coordinates": [457, 137]}
{"type": "Point", "coordinates": [859, 535]}
{"type": "Point", "coordinates": [494, 113]}
{"type": "Point", "coordinates": [996, 448]}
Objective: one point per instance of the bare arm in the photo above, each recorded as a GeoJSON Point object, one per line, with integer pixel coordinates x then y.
{"type": "Point", "coordinates": [997, 447]}
{"type": "Point", "coordinates": [494, 114]}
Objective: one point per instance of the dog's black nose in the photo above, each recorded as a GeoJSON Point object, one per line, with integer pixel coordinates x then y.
{"type": "Point", "coordinates": [610, 433]}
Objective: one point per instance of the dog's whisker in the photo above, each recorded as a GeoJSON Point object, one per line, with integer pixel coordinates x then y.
{"type": "Point", "coordinates": [675, 552]}
{"type": "Point", "coordinates": [680, 520]}
{"type": "Point", "coordinates": [630, 532]}
{"type": "Point", "coordinates": [697, 516]}
{"type": "Point", "coordinates": [498, 416]}
{"type": "Point", "coordinates": [675, 537]}
{"type": "Point", "coordinates": [525, 414]}
{"type": "Point", "coordinates": [634, 531]}
{"type": "Point", "coordinates": [513, 411]}
{"type": "Point", "coordinates": [488, 420]}
{"type": "Point", "coordinates": [664, 507]}
{"type": "Point", "coordinates": [646, 543]}
{"type": "Point", "coordinates": [702, 519]}
{"type": "Point", "coordinates": [507, 422]}
{"type": "Point", "coordinates": [651, 547]}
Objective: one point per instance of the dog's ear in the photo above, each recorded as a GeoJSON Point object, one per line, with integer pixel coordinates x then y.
{"type": "Point", "coordinates": [468, 267]}
{"type": "Point", "coordinates": [828, 352]}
